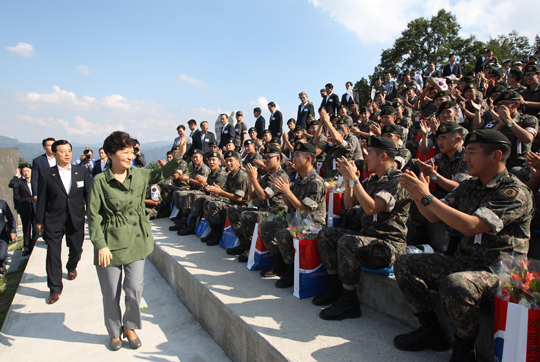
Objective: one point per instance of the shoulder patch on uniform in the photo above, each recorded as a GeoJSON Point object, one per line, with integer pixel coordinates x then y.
{"type": "Point", "coordinates": [509, 193]}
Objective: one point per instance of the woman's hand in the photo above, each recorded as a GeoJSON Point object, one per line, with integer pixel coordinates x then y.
{"type": "Point", "coordinates": [104, 257]}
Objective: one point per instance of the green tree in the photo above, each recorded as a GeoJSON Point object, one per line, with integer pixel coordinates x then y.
{"type": "Point", "coordinates": [153, 165]}
{"type": "Point", "coordinates": [512, 46]}
{"type": "Point", "coordinates": [427, 41]}
{"type": "Point", "coordinates": [535, 49]}
{"type": "Point", "coordinates": [23, 161]}
{"type": "Point", "coordinates": [363, 89]}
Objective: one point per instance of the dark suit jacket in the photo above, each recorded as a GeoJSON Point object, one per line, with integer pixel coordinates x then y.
{"type": "Point", "coordinates": [96, 170]}
{"type": "Point", "coordinates": [276, 124]}
{"type": "Point", "coordinates": [23, 200]}
{"type": "Point", "coordinates": [54, 204]}
{"type": "Point", "coordinates": [351, 101]}
{"type": "Point", "coordinates": [478, 67]}
{"type": "Point", "coordinates": [6, 219]}
{"type": "Point", "coordinates": [39, 164]}
{"type": "Point", "coordinates": [332, 105]}
{"type": "Point", "coordinates": [203, 146]}
{"type": "Point", "coordinates": [457, 70]}
{"type": "Point", "coordinates": [228, 134]}
{"type": "Point", "coordinates": [301, 117]}
{"type": "Point", "coordinates": [260, 126]}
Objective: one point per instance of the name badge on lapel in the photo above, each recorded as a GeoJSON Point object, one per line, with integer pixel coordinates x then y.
{"type": "Point", "coordinates": [225, 131]}
{"type": "Point", "coordinates": [80, 184]}
{"type": "Point", "coordinates": [330, 100]}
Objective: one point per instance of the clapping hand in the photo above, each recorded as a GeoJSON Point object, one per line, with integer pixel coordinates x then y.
{"type": "Point", "coordinates": [417, 187]}
{"type": "Point", "coordinates": [251, 171]}
{"type": "Point", "coordinates": [214, 189]}
{"type": "Point", "coordinates": [280, 185]}
{"type": "Point", "coordinates": [533, 160]}
{"type": "Point", "coordinates": [427, 168]}
{"type": "Point", "coordinates": [347, 169]}
{"type": "Point", "coordinates": [375, 129]}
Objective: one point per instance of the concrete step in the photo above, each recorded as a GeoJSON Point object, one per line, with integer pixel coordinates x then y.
{"type": "Point", "coordinates": [254, 321]}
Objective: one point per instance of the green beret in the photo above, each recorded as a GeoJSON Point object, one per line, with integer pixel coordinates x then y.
{"type": "Point", "coordinates": [300, 137]}
{"type": "Point", "coordinates": [304, 147]}
{"type": "Point", "coordinates": [314, 123]}
{"type": "Point", "coordinates": [516, 72]}
{"type": "Point", "coordinates": [339, 127]}
{"type": "Point", "coordinates": [272, 149]}
{"type": "Point", "coordinates": [363, 110]}
{"type": "Point", "coordinates": [230, 141]}
{"type": "Point", "coordinates": [275, 140]}
{"type": "Point", "coordinates": [532, 62]}
{"type": "Point", "coordinates": [445, 105]}
{"type": "Point", "coordinates": [248, 142]}
{"type": "Point", "coordinates": [342, 121]}
{"type": "Point", "coordinates": [496, 72]}
{"type": "Point", "coordinates": [382, 143]}
{"type": "Point", "coordinates": [266, 131]}
{"type": "Point", "coordinates": [291, 120]}
{"type": "Point", "coordinates": [467, 79]}
{"type": "Point", "coordinates": [469, 86]}
{"type": "Point", "coordinates": [298, 129]}
{"type": "Point", "coordinates": [213, 143]}
{"type": "Point", "coordinates": [342, 106]}
{"type": "Point", "coordinates": [447, 127]}
{"type": "Point", "coordinates": [441, 94]}
{"type": "Point", "coordinates": [197, 152]}
{"type": "Point", "coordinates": [231, 154]}
{"type": "Point", "coordinates": [449, 80]}
{"type": "Point", "coordinates": [388, 111]}
{"type": "Point", "coordinates": [214, 154]}
{"type": "Point", "coordinates": [507, 95]}
{"type": "Point", "coordinates": [531, 68]}
{"type": "Point", "coordinates": [486, 135]}
{"type": "Point", "coordinates": [391, 128]}
{"type": "Point", "coordinates": [252, 129]}
{"type": "Point", "coordinates": [496, 89]}
{"type": "Point", "coordinates": [386, 104]}
{"type": "Point", "coordinates": [397, 104]}
{"type": "Point", "coordinates": [175, 148]}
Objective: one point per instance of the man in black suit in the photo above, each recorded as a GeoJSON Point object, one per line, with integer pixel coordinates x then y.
{"type": "Point", "coordinates": [330, 101]}
{"type": "Point", "coordinates": [8, 225]}
{"type": "Point", "coordinates": [346, 98]}
{"type": "Point", "coordinates": [432, 72]}
{"type": "Point", "coordinates": [276, 120]}
{"type": "Point", "coordinates": [202, 138]}
{"type": "Point", "coordinates": [41, 163]}
{"type": "Point", "coordinates": [62, 195]}
{"type": "Point", "coordinates": [227, 131]}
{"type": "Point", "coordinates": [25, 206]}
{"type": "Point", "coordinates": [305, 109]}
{"type": "Point", "coordinates": [485, 59]}
{"type": "Point", "coordinates": [260, 122]}
{"type": "Point", "coordinates": [452, 68]}
{"type": "Point", "coordinates": [101, 164]}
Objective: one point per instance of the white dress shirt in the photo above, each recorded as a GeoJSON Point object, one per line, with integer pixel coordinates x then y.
{"type": "Point", "coordinates": [29, 184]}
{"type": "Point", "coordinates": [65, 175]}
{"type": "Point", "coordinates": [51, 160]}
{"type": "Point", "coordinates": [103, 164]}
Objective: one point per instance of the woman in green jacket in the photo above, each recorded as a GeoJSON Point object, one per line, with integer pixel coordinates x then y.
{"type": "Point", "coordinates": [121, 234]}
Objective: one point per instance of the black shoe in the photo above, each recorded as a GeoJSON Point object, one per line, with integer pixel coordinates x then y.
{"type": "Point", "coordinates": [176, 227]}
{"type": "Point", "coordinates": [287, 280]}
{"type": "Point", "coordinates": [244, 257]}
{"type": "Point", "coordinates": [188, 230]}
{"type": "Point", "coordinates": [347, 306]}
{"type": "Point", "coordinates": [332, 292]}
{"type": "Point", "coordinates": [278, 270]}
{"type": "Point", "coordinates": [214, 239]}
{"type": "Point", "coordinates": [26, 252]}
{"type": "Point", "coordinates": [236, 250]}
{"type": "Point", "coordinates": [207, 237]}
{"type": "Point", "coordinates": [429, 336]}
{"type": "Point", "coordinates": [464, 350]}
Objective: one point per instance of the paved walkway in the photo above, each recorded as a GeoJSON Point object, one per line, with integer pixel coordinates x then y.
{"type": "Point", "coordinates": [73, 328]}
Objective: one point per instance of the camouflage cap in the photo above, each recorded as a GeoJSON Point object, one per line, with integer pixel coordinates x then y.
{"type": "Point", "coordinates": [486, 135]}
{"type": "Point", "coordinates": [388, 111]}
{"type": "Point", "coordinates": [342, 122]}
{"type": "Point", "coordinates": [229, 154]}
{"type": "Point", "coordinates": [382, 143]}
{"type": "Point", "coordinates": [447, 127]}
{"type": "Point", "coordinates": [445, 105]}
{"type": "Point", "coordinates": [304, 147]}
{"type": "Point", "coordinates": [507, 95]}
{"type": "Point", "coordinates": [272, 149]}
{"type": "Point", "coordinates": [391, 128]}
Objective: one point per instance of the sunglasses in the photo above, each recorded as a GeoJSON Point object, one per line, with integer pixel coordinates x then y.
{"type": "Point", "coordinates": [268, 158]}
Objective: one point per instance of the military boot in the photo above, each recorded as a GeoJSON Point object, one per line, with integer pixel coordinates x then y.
{"type": "Point", "coordinates": [332, 292]}
{"type": "Point", "coordinates": [215, 235]}
{"type": "Point", "coordinates": [179, 223]}
{"type": "Point", "coordinates": [287, 280]}
{"type": "Point", "coordinates": [278, 269]}
{"type": "Point", "coordinates": [430, 335]}
{"type": "Point", "coordinates": [464, 350]}
{"type": "Point", "coordinates": [207, 237]}
{"type": "Point", "coordinates": [347, 306]}
{"type": "Point", "coordinates": [190, 229]}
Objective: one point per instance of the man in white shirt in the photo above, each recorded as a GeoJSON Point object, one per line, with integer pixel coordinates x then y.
{"type": "Point", "coordinates": [41, 163]}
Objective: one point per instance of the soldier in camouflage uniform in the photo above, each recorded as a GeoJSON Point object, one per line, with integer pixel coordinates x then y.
{"type": "Point", "coordinates": [313, 129]}
{"type": "Point", "coordinates": [352, 139]}
{"type": "Point", "coordinates": [217, 177]}
{"type": "Point", "coordinates": [531, 96]}
{"type": "Point", "coordinates": [240, 131]}
{"type": "Point", "coordinates": [493, 211]}
{"type": "Point", "coordinates": [233, 194]}
{"type": "Point", "coordinates": [382, 238]}
{"type": "Point", "coordinates": [403, 155]}
{"type": "Point", "coordinates": [336, 146]}
{"type": "Point", "coordinates": [276, 142]}
{"type": "Point", "coordinates": [252, 156]}
{"type": "Point", "coordinates": [401, 119]}
{"type": "Point", "coordinates": [362, 131]}
{"type": "Point", "coordinates": [184, 198]}
{"type": "Point", "coordinates": [343, 115]}
{"type": "Point", "coordinates": [266, 198]}
{"type": "Point", "coordinates": [307, 194]}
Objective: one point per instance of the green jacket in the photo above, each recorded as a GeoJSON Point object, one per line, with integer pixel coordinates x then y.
{"type": "Point", "coordinates": [117, 216]}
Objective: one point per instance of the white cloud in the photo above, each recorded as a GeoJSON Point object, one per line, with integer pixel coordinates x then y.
{"type": "Point", "coordinates": [374, 22]}
{"type": "Point", "coordinates": [83, 69]}
{"type": "Point", "coordinates": [262, 103]}
{"type": "Point", "coordinates": [203, 112]}
{"type": "Point", "coordinates": [22, 49]}
{"type": "Point", "coordinates": [79, 127]}
{"type": "Point", "coordinates": [193, 81]}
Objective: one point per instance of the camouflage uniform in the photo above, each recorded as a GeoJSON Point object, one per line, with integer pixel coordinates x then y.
{"type": "Point", "coordinates": [403, 156]}
{"type": "Point", "coordinates": [531, 95]}
{"type": "Point", "coordinates": [516, 162]}
{"type": "Point", "coordinates": [427, 109]}
{"type": "Point", "coordinates": [464, 280]}
{"type": "Point", "coordinates": [219, 177]}
{"type": "Point", "coordinates": [276, 235]}
{"type": "Point", "coordinates": [184, 198]}
{"type": "Point", "coordinates": [365, 127]}
{"type": "Point", "coordinates": [182, 168]}
{"type": "Point", "coordinates": [215, 211]}
{"type": "Point", "coordinates": [240, 130]}
{"type": "Point", "coordinates": [243, 219]}
{"type": "Point", "coordinates": [345, 149]}
{"type": "Point", "coordinates": [357, 149]}
{"type": "Point", "coordinates": [248, 160]}
{"type": "Point", "coordinates": [348, 120]}
{"type": "Point", "coordinates": [382, 237]}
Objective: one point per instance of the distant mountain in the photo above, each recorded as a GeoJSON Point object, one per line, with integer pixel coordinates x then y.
{"type": "Point", "coordinates": [151, 150]}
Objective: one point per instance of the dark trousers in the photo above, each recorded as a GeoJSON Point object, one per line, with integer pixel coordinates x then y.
{"type": "Point", "coordinates": [4, 243]}
{"type": "Point", "coordinates": [30, 232]}
{"type": "Point", "coordinates": [74, 241]}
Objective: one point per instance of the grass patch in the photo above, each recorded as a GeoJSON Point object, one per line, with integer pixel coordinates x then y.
{"type": "Point", "coordinates": [8, 287]}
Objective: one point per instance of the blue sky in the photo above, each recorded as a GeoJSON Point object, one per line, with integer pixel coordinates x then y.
{"type": "Point", "coordinates": [79, 70]}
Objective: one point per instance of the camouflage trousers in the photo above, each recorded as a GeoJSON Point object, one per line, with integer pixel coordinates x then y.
{"type": "Point", "coordinates": [167, 192]}
{"type": "Point", "coordinates": [197, 205]}
{"type": "Point", "coordinates": [243, 222]}
{"type": "Point", "coordinates": [463, 292]}
{"type": "Point", "coordinates": [278, 239]}
{"type": "Point", "coordinates": [184, 200]}
{"type": "Point", "coordinates": [215, 212]}
{"type": "Point", "coordinates": [346, 251]}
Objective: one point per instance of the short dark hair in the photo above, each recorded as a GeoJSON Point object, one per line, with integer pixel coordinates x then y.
{"type": "Point", "coordinates": [349, 82]}
{"type": "Point", "coordinates": [169, 153]}
{"type": "Point", "coordinates": [101, 148]}
{"type": "Point", "coordinates": [452, 54]}
{"type": "Point", "coordinates": [223, 114]}
{"type": "Point", "coordinates": [181, 126]}
{"type": "Point", "coordinates": [489, 148]}
{"type": "Point", "coordinates": [329, 85]}
{"type": "Point", "coordinates": [204, 122]}
{"type": "Point", "coordinates": [60, 143]}
{"type": "Point", "coordinates": [47, 140]}
{"type": "Point", "coordinates": [117, 141]}
{"type": "Point", "coordinates": [25, 165]}
{"type": "Point", "coordinates": [389, 153]}
{"type": "Point", "coordinates": [85, 152]}
{"type": "Point", "coordinates": [192, 121]}
{"type": "Point", "coordinates": [257, 109]}
{"type": "Point", "coordinates": [271, 104]}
